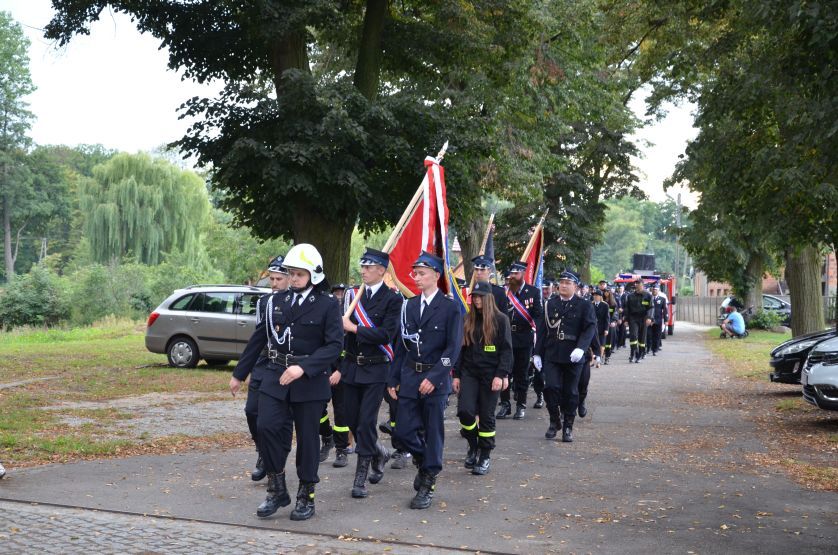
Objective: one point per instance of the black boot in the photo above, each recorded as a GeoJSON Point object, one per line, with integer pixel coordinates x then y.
{"type": "Point", "coordinates": [539, 401]}
{"type": "Point", "coordinates": [259, 472]}
{"type": "Point", "coordinates": [471, 456]}
{"type": "Point", "coordinates": [359, 486]}
{"type": "Point", "coordinates": [417, 480]}
{"type": "Point", "coordinates": [505, 410]}
{"type": "Point", "coordinates": [386, 428]}
{"type": "Point", "coordinates": [483, 464]}
{"type": "Point", "coordinates": [305, 502]}
{"type": "Point", "coordinates": [341, 458]}
{"type": "Point", "coordinates": [552, 430]}
{"type": "Point", "coordinates": [567, 429]}
{"type": "Point", "coordinates": [379, 461]}
{"type": "Point", "coordinates": [631, 353]}
{"type": "Point", "coordinates": [425, 493]}
{"type": "Point", "coordinates": [277, 495]}
{"type": "Point", "coordinates": [582, 409]}
{"type": "Point", "coordinates": [326, 444]}
{"type": "Point", "coordinates": [520, 412]}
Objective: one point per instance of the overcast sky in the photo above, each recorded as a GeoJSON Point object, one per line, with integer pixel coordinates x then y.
{"type": "Point", "coordinates": [113, 88]}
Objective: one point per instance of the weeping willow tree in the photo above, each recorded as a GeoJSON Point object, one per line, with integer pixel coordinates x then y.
{"type": "Point", "coordinates": [143, 207]}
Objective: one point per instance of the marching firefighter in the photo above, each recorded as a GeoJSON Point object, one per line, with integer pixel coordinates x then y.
{"type": "Point", "coordinates": [485, 361]}
{"type": "Point", "coordinates": [370, 331]}
{"type": "Point", "coordinates": [638, 310]}
{"type": "Point", "coordinates": [659, 318]}
{"type": "Point", "coordinates": [420, 377]}
{"type": "Point", "coordinates": [302, 331]}
{"type": "Point", "coordinates": [524, 310]}
{"type": "Point", "coordinates": [278, 278]}
{"type": "Point", "coordinates": [565, 332]}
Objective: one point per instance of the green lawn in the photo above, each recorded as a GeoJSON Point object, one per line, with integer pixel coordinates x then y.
{"type": "Point", "coordinates": [105, 361]}
{"type": "Point", "coordinates": [747, 357]}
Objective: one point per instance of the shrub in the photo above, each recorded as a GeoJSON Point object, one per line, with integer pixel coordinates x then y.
{"type": "Point", "coordinates": [764, 320]}
{"type": "Point", "coordinates": [33, 299]}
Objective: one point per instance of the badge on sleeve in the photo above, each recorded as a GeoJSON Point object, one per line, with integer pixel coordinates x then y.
{"type": "Point", "coordinates": [446, 362]}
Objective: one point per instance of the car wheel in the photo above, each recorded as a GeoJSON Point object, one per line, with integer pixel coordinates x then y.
{"type": "Point", "coordinates": [217, 361]}
{"type": "Point", "coordinates": [182, 353]}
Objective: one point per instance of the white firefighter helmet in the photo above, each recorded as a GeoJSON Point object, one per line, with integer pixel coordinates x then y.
{"type": "Point", "coordinates": [306, 257]}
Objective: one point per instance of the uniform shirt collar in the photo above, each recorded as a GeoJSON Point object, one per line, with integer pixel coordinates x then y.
{"type": "Point", "coordinates": [570, 298]}
{"type": "Point", "coordinates": [302, 296]}
{"type": "Point", "coordinates": [429, 299]}
{"type": "Point", "coordinates": [374, 288]}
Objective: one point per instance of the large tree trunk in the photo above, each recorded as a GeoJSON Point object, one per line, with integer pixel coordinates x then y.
{"type": "Point", "coordinates": [368, 66]}
{"type": "Point", "coordinates": [804, 280]}
{"type": "Point", "coordinates": [7, 240]}
{"type": "Point", "coordinates": [753, 295]}
{"type": "Point", "coordinates": [585, 270]}
{"type": "Point", "coordinates": [332, 237]}
{"type": "Point", "coordinates": [470, 237]}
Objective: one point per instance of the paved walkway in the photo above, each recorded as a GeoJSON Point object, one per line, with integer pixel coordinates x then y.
{"type": "Point", "coordinates": [649, 472]}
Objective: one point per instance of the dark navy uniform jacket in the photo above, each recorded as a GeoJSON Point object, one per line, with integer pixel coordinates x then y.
{"type": "Point", "coordinates": [659, 310]}
{"type": "Point", "coordinates": [522, 334]}
{"type": "Point", "coordinates": [487, 361]}
{"type": "Point", "coordinates": [254, 366]}
{"type": "Point", "coordinates": [440, 336]}
{"type": "Point", "coordinates": [499, 293]}
{"type": "Point", "coordinates": [576, 329]}
{"type": "Point", "coordinates": [383, 309]}
{"type": "Point", "coordinates": [638, 305]}
{"type": "Point", "coordinates": [603, 317]}
{"type": "Point", "coordinates": [314, 329]}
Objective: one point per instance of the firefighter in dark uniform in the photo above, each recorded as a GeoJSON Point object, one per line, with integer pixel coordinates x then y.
{"type": "Point", "coordinates": [620, 299]}
{"type": "Point", "coordinates": [524, 311]}
{"type": "Point", "coordinates": [370, 331]}
{"type": "Point", "coordinates": [304, 336]}
{"type": "Point", "coordinates": [278, 278]}
{"type": "Point", "coordinates": [565, 331]}
{"type": "Point", "coordinates": [613, 316]}
{"type": "Point", "coordinates": [591, 357]}
{"type": "Point", "coordinates": [659, 318]}
{"type": "Point", "coordinates": [537, 376]}
{"type": "Point", "coordinates": [638, 310]}
{"type": "Point", "coordinates": [420, 377]}
{"type": "Point", "coordinates": [335, 435]}
{"type": "Point", "coordinates": [603, 318]}
{"type": "Point", "coordinates": [485, 361]}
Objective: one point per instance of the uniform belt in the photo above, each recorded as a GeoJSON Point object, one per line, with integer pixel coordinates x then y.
{"type": "Point", "coordinates": [521, 328]}
{"type": "Point", "coordinates": [562, 336]}
{"type": "Point", "coordinates": [362, 360]}
{"type": "Point", "coordinates": [284, 360]}
{"type": "Point", "coordinates": [419, 367]}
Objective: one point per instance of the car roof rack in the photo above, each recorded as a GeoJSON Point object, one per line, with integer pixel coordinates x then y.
{"type": "Point", "coordinates": [251, 287]}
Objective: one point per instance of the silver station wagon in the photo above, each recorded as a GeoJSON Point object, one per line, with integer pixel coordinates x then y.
{"type": "Point", "coordinates": [209, 322]}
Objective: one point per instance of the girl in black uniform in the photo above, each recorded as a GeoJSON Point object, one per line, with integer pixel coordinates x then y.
{"type": "Point", "coordinates": [485, 360]}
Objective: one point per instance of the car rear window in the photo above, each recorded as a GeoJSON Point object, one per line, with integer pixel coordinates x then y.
{"type": "Point", "coordinates": [182, 303]}
{"type": "Point", "coordinates": [219, 303]}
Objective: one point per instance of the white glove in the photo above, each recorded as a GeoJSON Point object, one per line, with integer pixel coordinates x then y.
{"type": "Point", "coordinates": [536, 361]}
{"type": "Point", "coordinates": [598, 361]}
{"type": "Point", "coordinates": [576, 355]}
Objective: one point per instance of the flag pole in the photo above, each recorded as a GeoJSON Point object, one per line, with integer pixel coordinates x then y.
{"type": "Point", "coordinates": [482, 247]}
{"type": "Point", "coordinates": [397, 230]}
{"type": "Point", "coordinates": [531, 244]}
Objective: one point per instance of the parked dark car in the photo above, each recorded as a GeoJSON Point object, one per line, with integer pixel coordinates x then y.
{"type": "Point", "coordinates": [820, 375]}
{"type": "Point", "coordinates": [769, 303]}
{"type": "Point", "coordinates": [789, 357]}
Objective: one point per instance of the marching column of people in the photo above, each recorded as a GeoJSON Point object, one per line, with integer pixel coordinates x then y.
{"type": "Point", "coordinates": [414, 353]}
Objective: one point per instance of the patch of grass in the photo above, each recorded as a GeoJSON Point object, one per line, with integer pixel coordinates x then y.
{"type": "Point", "coordinates": [748, 357]}
{"type": "Point", "coordinates": [789, 405]}
{"type": "Point", "coordinates": [816, 477]}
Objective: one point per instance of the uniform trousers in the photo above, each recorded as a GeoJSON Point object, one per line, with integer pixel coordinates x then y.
{"type": "Point", "coordinates": [621, 333]}
{"type": "Point", "coordinates": [340, 427]}
{"type": "Point", "coordinates": [420, 427]}
{"type": "Point", "coordinates": [655, 339]}
{"type": "Point", "coordinates": [584, 380]}
{"type": "Point", "coordinates": [637, 332]}
{"type": "Point", "coordinates": [476, 406]}
{"type": "Point", "coordinates": [251, 406]}
{"type": "Point", "coordinates": [562, 387]}
{"type": "Point", "coordinates": [361, 403]}
{"type": "Point", "coordinates": [274, 429]}
{"type": "Point", "coordinates": [520, 378]}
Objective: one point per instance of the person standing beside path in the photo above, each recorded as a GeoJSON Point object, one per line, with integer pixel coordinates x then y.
{"type": "Point", "coordinates": [564, 334]}
{"type": "Point", "coordinates": [525, 309]}
{"type": "Point", "coordinates": [420, 377]}
{"type": "Point", "coordinates": [370, 331]}
{"type": "Point", "coordinates": [638, 310]}
{"type": "Point", "coordinates": [253, 363]}
{"type": "Point", "coordinates": [304, 336]}
{"type": "Point", "coordinates": [484, 362]}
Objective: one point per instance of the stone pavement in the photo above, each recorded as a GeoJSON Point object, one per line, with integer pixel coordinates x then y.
{"type": "Point", "coordinates": [650, 471]}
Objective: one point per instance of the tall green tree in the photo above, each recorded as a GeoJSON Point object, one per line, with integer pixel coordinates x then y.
{"type": "Point", "coordinates": [144, 208]}
{"type": "Point", "coordinates": [19, 202]}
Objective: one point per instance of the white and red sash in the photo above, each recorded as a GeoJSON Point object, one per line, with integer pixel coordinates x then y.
{"type": "Point", "coordinates": [522, 310]}
{"type": "Point", "coordinates": [365, 321]}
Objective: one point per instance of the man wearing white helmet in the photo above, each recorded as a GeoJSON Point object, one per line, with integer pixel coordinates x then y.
{"type": "Point", "coordinates": [303, 332]}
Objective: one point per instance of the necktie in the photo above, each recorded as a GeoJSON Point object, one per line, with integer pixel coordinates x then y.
{"type": "Point", "coordinates": [369, 293]}
{"type": "Point", "coordinates": [422, 308]}
{"type": "Point", "coordinates": [294, 300]}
